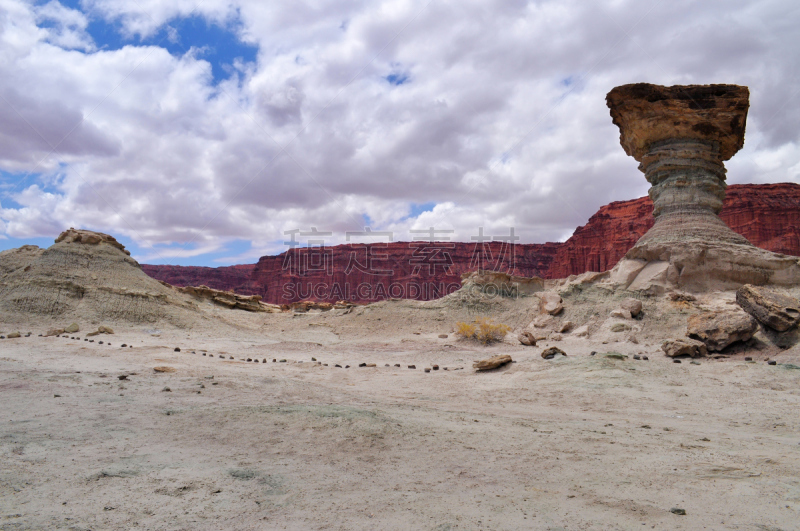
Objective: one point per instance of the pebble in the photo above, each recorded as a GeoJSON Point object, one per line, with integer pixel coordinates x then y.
{"type": "Point", "coordinates": [274, 360]}
{"type": "Point", "coordinates": [85, 339]}
{"type": "Point", "coordinates": [435, 367]}
{"type": "Point", "coordinates": [166, 390]}
{"type": "Point", "coordinates": [676, 361]}
{"type": "Point", "coordinates": [124, 345]}
{"type": "Point", "coordinates": [772, 362]}
{"type": "Point", "coordinates": [637, 357]}
{"type": "Point", "coordinates": [130, 346]}
{"type": "Point", "coordinates": [122, 377]}
{"type": "Point", "coordinates": [250, 359]}
{"type": "Point", "coordinates": [427, 369]}
{"type": "Point", "coordinates": [204, 353]}
{"type": "Point", "coordinates": [313, 359]}
{"type": "Point", "coordinates": [177, 349]}
{"type": "Point", "coordinates": [362, 364]}
{"type": "Point", "coordinates": [593, 353]}
{"type": "Point", "coordinates": [396, 364]}
{"type": "Point", "coordinates": [324, 364]}
{"type": "Point", "coordinates": [645, 358]}
{"type": "Point", "coordinates": [676, 510]}
{"type": "Point", "coordinates": [282, 361]}
{"type": "Point", "coordinates": [386, 365]}
{"type": "Point", "coordinates": [347, 366]}
{"type": "Point", "coordinates": [264, 360]}
{"type": "Point", "coordinates": [412, 366]}
{"type": "Point", "coordinates": [337, 365]}
{"type": "Point", "coordinates": [99, 342]}
{"type": "Point", "coordinates": [442, 336]}
{"type": "Point", "coordinates": [748, 358]}
{"type": "Point", "coordinates": [91, 341]}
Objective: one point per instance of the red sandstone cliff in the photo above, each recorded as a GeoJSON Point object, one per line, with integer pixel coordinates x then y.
{"type": "Point", "coordinates": [365, 273]}
{"type": "Point", "coordinates": [768, 215]}
{"type": "Point", "coordinates": [229, 278]}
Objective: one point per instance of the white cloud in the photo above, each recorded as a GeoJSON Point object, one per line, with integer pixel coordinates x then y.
{"type": "Point", "coordinates": [501, 120]}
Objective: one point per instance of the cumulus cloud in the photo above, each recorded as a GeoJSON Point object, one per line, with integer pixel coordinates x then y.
{"type": "Point", "coordinates": [354, 112]}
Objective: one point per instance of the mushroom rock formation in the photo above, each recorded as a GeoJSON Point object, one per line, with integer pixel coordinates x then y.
{"type": "Point", "coordinates": [681, 135]}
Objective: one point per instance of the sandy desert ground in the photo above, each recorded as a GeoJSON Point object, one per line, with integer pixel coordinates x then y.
{"type": "Point", "coordinates": [578, 442]}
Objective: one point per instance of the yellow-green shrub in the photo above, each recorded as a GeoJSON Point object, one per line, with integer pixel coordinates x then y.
{"type": "Point", "coordinates": [483, 330]}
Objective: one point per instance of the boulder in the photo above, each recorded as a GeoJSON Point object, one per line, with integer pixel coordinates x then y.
{"type": "Point", "coordinates": [621, 313]}
{"type": "Point", "coordinates": [634, 306]}
{"type": "Point", "coordinates": [771, 309]}
{"type": "Point", "coordinates": [551, 353]}
{"type": "Point", "coordinates": [564, 327]}
{"type": "Point", "coordinates": [71, 329]}
{"type": "Point", "coordinates": [14, 335]}
{"type": "Point", "coordinates": [684, 347]}
{"type": "Point", "coordinates": [720, 329]}
{"type": "Point", "coordinates": [54, 332]}
{"type": "Point", "coordinates": [550, 302]}
{"type": "Point", "coordinates": [492, 363]}
{"type": "Point", "coordinates": [527, 339]}
{"type": "Point", "coordinates": [543, 321]}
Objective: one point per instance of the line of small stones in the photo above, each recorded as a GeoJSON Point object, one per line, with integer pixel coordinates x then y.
{"type": "Point", "coordinates": [314, 360]}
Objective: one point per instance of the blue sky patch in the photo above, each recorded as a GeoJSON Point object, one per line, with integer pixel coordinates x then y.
{"type": "Point", "coordinates": [397, 78]}
{"type": "Point", "coordinates": [219, 45]}
{"type": "Point", "coordinates": [419, 208]}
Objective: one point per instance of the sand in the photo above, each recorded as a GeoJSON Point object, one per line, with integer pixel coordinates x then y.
{"type": "Point", "coordinates": [582, 442]}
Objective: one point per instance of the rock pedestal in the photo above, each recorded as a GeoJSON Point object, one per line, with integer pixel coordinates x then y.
{"type": "Point", "coordinates": [681, 136]}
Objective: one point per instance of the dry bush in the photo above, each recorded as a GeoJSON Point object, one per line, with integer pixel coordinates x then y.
{"type": "Point", "coordinates": [483, 330]}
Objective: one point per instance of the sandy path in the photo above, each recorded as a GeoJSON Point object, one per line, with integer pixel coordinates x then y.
{"type": "Point", "coordinates": [577, 443]}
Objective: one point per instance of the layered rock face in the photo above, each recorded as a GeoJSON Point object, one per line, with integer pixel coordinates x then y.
{"type": "Point", "coordinates": [85, 276]}
{"type": "Point", "coordinates": [228, 278]}
{"type": "Point", "coordinates": [681, 136]}
{"type": "Point", "coordinates": [367, 273]}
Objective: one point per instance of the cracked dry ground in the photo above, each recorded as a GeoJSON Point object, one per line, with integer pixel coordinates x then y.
{"type": "Point", "coordinates": [575, 443]}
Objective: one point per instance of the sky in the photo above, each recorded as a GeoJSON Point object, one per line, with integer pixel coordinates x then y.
{"type": "Point", "coordinates": [212, 132]}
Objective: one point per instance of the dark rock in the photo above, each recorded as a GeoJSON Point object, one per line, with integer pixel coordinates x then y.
{"type": "Point", "coordinates": [435, 367]}
{"type": "Point", "coordinates": [645, 358]}
{"type": "Point", "coordinates": [412, 366]}
{"type": "Point", "coordinates": [442, 336]}
{"type": "Point", "coordinates": [772, 362]}
{"type": "Point", "coordinates": [99, 342]}
{"type": "Point", "coordinates": [427, 369]}
{"type": "Point", "coordinates": [396, 364]}
{"type": "Point", "coordinates": [748, 358]}
{"type": "Point", "coordinates": [122, 377]}
{"type": "Point", "coordinates": [593, 353]}
{"type": "Point", "coordinates": [124, 345]}
{"type": "Point", "coordinates": [337, 365]}
{"type": "Point", "coordinates": [177, 349]}
{"type": "Point", "coordinates": [362, 364]}
{"type": "Point", "coordinates": [676, 361]}
{"type": "Point", "coordinates": [676, 510]}
{"type": "Point", "coordinates": [637, 357]}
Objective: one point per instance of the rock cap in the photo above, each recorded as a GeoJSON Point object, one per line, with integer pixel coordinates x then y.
{"type": "Point", "coordinates": [89, 237]}
{"type": "Point", "coordinates": [648, 113]}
